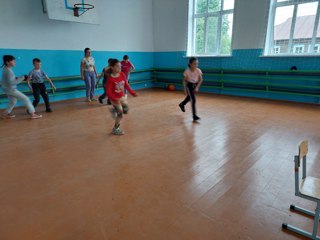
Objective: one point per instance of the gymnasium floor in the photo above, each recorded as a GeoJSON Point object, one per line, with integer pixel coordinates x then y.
{"type": "Point", "coordinates": [65, 177]}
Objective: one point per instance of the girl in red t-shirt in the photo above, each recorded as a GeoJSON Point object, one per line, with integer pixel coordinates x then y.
{"type": "Point", "coordinates": [115, 86]}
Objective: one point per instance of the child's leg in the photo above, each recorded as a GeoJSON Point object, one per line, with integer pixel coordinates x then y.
{"type": "Point", "coordinates": [118, 108]}
{"type": "Point", "coordinates": [92, 84]}
{"type": "Point", "coordinates": [190, 90]}
{"type": "Point", "coordinates": [124, 104]}
{"type": "Point", "coordinates": [36, 94]}
{"type": "Point", "coordinates": [186, 100]}
{"type": "Point", "coordinates": [20, 96]}
{"type": "Point", "coordinates": [12, 102]}
{"type": "Point", "coordinates": [125, 90]}
{"type": "Point", "coordinates": [44, 95]}
{"type": "Point", "coordinates": [88, 83]}
{"type": "Point", "coordinates": [103, 95]}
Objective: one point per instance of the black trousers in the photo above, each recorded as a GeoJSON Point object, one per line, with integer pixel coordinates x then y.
{"type": "Point", "coordinates": [104, 94]}
{"type": "Point", "coordinates": [191, 97]}
{"type": "Point", "coordinates": [40, 89]}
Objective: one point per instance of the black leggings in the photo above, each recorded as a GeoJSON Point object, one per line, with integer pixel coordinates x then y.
{"type": "Point", "coordinates": [104, 94]}
{"type": "Point", "coordinates": [190, 97]}
{"type": "Point", "coordinates": [40, 89]}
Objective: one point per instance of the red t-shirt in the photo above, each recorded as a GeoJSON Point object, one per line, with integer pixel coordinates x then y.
{"type": "Point", "coordinates": [115, 87]}
{"type": "Point", "coordinates": [126, 67]}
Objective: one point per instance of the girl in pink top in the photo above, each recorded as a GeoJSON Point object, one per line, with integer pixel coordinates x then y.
{"type": "Point", "coordinates": [191, 83]}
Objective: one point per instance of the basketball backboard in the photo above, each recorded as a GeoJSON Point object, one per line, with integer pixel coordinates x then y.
{"type": "Point", "coordinates": [63, 10]}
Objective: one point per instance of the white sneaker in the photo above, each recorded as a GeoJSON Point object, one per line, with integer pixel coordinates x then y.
{"type": "Point", "coordinates": [117, 131]}
{"type": "Point", "coordinates": [35, 116]}
{"type": "Point", "coordinates": [6, 115]}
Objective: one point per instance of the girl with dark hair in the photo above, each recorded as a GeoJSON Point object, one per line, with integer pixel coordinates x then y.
{"type": "Point", "coordinates": [9, 85]}
{"type": "Point", "coordinates": [115, 86]}
{"type": "Point", "coordinates": [191, 83]}
{"type": "Point", "coordinates": [89, 74]}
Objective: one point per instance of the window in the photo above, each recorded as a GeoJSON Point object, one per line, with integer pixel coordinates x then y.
{"type": "Point", "coordinates": [293, 26]}
{"type": "Point", "coordinates": [298, 49]}
{"type": "Point", "coordinates": [317, 48]}
{"type": "Point", "coordinates": [276, 49]}
{"type": "Point", "coordinates": [210, 27]}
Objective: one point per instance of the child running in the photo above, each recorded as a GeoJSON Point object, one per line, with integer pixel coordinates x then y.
{"type": "Point", "coordinates": [105, 76]}
{"type": "Point", "coordinates": [9, 85]}
{"type": "Point", "coordinates": [191, 83]}
{"type": "Point", "coordinates": [116, 84]}
{"type": "Point", "coordinates": [126, 67]}
{"type": "Point", "coordinates": [37, 77]}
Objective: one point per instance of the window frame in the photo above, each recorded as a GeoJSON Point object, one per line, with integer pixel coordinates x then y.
{"type": "Point", "coordinates": [269, 40]}
{"type": "Point", "coordinates": [298, 46]}
{"type": "Point", "coordinates": [191, 41]}
{"type": "Point", "coordinates": [278, 49]}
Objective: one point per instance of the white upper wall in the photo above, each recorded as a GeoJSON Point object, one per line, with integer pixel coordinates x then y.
{"type": "Point", "coordinates": [170, 21]}
{"type": "Point", "coordinates": [126, 25]}
{"type": "Point", "coordinates": [171, 24]}
{"type": "Point", "coordinates": [250, 23]}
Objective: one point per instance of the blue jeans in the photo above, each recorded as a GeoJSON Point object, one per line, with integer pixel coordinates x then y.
{"type": "Point", "coordinates": [90, 80]}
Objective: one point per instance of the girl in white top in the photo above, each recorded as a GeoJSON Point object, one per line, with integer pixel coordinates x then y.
{"type": "Point", "coordinates": [191, 83]}
{"type": "Point", "coordinates": [9, 85]}
{"type": "Point", "coordinates": [89, 74]}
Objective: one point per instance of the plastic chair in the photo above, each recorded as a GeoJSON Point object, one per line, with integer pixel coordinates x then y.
{"type": "Point", "coordinates": [309, 188]}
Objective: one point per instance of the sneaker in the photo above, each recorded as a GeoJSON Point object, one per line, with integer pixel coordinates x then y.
{"type": "Point", "coordinates": [195, 118]}
{"type": "Point", "coordinates": [88, 100]}
{"type": "Point", "coordinates": [94, 99]}
{"type": "Point", "coordinates": [35, 116]}
{"type": "Point", "coordinates": [48, 110]}
{"type": "Point", "coordinates": [113, 112]}
{"type": "Point", "coordinates": [117, 131]}
{"type": "Point", "coordinates": [182, 107]}
{"type": "Point", "coordinates": [7, 115]}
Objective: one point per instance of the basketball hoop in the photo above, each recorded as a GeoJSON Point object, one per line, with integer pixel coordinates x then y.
{"type": "Point", "coordinates": [81, 8]}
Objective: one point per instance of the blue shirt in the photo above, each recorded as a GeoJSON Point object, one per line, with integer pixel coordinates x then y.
{"type": "Point", "coordinates": [37, 76]}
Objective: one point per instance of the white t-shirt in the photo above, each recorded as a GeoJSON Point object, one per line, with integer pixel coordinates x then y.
{"type": "Point", "coordinates": [192, 76]}
{"type": "Point", "coordinates": [88, 64]}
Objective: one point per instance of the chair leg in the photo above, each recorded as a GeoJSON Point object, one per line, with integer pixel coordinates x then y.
{"type": "Point", "coordinates": [302, 210]}
{"type": "Point", "coordinates": [315, 223]}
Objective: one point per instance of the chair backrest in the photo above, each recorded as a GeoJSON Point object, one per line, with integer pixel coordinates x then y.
{"type": "Point", "coordinates": [302, 157]}
{"type": "Point", "coordinates": [303, 149]}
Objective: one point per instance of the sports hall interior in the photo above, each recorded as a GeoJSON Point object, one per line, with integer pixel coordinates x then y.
{"type": "Point", "coordinates": [230, 175]}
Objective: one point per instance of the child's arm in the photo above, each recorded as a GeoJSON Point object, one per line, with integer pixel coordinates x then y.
{"type": "Point", "coordinates": [28, 83]}
{"type": "Point", "coordinates": [95, 70]}
{"type": "Point", "coordinates": [82, 70]}
{"type": "Point", "coordinates": [199, 83]}
{"type": "Point", "coordinates": [99, 77]}
{"type": "Point", "coordinates": [132, 68]}
{"type": "Point", "coordinates": [184, 80]}
{"type": "Point", "coordinates": [51, 83]}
